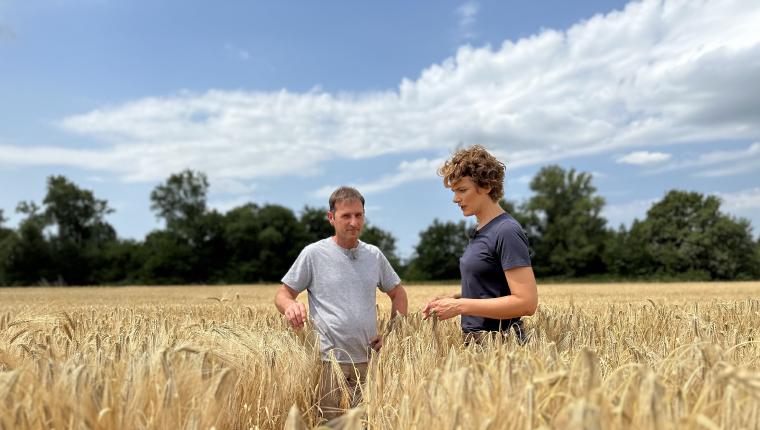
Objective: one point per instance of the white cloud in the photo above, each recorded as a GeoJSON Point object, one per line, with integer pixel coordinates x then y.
{"type": "Point", "coordinates": [524, 179]}
{"type": "Point", "coordinates": [719, 163]}
{"type": "Point", "coordinates": [740, 201]}
{"type": "Point", "coordinates": [641, 158]}
{"type": "Point", "coordinates": [625, 213]}
{"type": "Point", "coordinates": [653, 74]}
{"type": "Point", "coordinates": [467, 14]}
{"type": "Point", "coordinates": [231, 186]}
{"type": "Point", "coordinates": [224, 206]}
{"type": "Point", "coordinates": [407, 171]}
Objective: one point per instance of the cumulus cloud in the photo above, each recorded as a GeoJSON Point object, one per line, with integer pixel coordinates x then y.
{"type": "Point", "coordinates": [653, 74]}
{"type": "Point", "coordinates": [524, 179]}
{"type": "Point", "coordinates": [224, 206]}
{"type": "Point", "coordinates": [719, 163]}
{"type": "Point", "coordinates": [407, 171]}
{"type": "Point", "coordinates": [231, 187]}
{"type": "Point", "coordinates": [641, 158]}
{"type": "Point", "coordinates": [740, 201]}
{"type": "Point", "coordinates": [743, 202]}
{"type": "Point", "coordinates": [625, 213]}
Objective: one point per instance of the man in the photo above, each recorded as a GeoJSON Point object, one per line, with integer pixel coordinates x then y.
{"type": "Point", "coordinates": [341, 274]}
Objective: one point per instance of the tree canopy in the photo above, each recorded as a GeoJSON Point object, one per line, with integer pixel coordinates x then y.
{"type": "Point", "coordinates": [68, 240]}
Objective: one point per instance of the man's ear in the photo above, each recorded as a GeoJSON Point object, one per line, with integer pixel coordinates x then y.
{"type": "Point", "coordinates": [330, 217]}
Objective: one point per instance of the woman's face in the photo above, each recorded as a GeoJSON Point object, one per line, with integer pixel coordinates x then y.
{"type": "Point", "coordinates": [469, 197]}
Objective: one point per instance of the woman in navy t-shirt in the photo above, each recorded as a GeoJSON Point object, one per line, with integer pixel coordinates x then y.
{"type": "Point", "coordinates": [498, 285]}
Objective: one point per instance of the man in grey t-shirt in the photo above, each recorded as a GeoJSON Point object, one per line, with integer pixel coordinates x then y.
{"type": "Point", "coordinates": [341, 274]}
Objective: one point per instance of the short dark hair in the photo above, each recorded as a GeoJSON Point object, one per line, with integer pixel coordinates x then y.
{"type": "Point", "coordinates": [343, 194]}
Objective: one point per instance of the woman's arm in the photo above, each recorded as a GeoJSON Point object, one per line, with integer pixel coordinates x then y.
{"type": "Point", "coordinates": [426, 310]}
{"type": "Point", "coordinates": [522, 301]}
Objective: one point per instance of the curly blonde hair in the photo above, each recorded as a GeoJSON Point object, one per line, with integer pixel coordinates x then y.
{"type": "Point", "coordinates": [477, 163]}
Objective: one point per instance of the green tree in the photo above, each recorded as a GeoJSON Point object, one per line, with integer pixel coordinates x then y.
{"type": "Point", "coordinates": [181, 201]}
{"type": "Point", "coordinates": [565, 224]}
{"type": "Point", "coordinates": [383, 240]}
{"type": "Point", "coordinates": [78, 216]}
{"type": "Point", "coordinates": [80, 231]}
{"type": "Point", "coordinates": [436, 256]}
{"type": "Point", "coordinates": [3, 219]}
{"type": "Point", "coordinates": [193, 233]}
{"type": "Point", "coordinates": [6, 236]}
{"type": "Point", "coordinates": [167, 258]}
{"type": "Point", "coordinates": [685, 234]}
{"type": "Point", "coordinates": [517, 212]}
{"type": "Point", "coordinates": [241, 235]}
{"type": "Point", "coordinates": [25, 255]}
{"type": "Point", "coordinates": [280, 240]}
{"type": "Point", "coordinates": [315, 224]}
{"type": "Point", "coordinates": [122, 261]}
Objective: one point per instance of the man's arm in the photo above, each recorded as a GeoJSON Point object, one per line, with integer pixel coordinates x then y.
{"type": "Point", "coordinates": [285, 300]}
{"type": "Point", "coordinates": [399, 304]}
{"type": "Point", "coordinates": [522, 301]}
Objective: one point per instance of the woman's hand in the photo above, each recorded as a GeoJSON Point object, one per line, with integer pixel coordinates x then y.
{"type": "Point", "coordinates": [443, 308]}
{"type": "Point", "coordinates": [428, 306]}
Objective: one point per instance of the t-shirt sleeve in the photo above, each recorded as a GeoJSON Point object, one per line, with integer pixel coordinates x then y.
{"type": "Point", "coordinates": [301, 273]}
{"type": "Point", "coordinates": [512, 246]}
{"type": "Point", "coordinates": [388, 276]}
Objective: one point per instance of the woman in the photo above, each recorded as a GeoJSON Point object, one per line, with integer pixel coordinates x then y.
{"type": "Point", "coordinates": [498, 285]}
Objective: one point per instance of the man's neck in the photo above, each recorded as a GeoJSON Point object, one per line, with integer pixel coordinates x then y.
{"type": "Point", "coordinates": [345, 243]}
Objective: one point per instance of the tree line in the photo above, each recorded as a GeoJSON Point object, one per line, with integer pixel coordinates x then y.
{"type": "Point", "coordinates": [67, 241]}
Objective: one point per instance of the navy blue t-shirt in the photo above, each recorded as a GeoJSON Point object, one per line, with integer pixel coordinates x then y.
{"type": "Point", "coordinates": [498, 246]}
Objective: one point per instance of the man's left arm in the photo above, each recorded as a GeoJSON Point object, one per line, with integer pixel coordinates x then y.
{"type": "Point", "coordinates": [399, 303]}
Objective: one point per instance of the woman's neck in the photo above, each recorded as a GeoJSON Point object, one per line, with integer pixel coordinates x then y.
{"type": "Point", "coordinates": [489, 212]}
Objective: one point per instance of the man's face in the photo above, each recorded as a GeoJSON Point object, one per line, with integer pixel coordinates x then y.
{"type": "Point", "coordinates": [348, 219]}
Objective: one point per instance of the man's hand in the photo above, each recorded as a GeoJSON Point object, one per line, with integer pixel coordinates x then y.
{"type": "Point", "coordinates": [442, 309]}
{"type": "Point", "coordinates": [296, 314]}
{"type": "Point", "coordinates": [376, 343]}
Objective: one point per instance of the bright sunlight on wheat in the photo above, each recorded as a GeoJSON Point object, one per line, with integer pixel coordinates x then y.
{"type": "Point", "coordinates": [600, 356]}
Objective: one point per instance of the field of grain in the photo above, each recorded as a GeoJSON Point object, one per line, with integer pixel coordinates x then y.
{"type": "Point", "coordinates": [600, 356]}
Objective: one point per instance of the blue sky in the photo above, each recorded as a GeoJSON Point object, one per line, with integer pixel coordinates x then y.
{"type": "Point", "coordinates": [278, 102]}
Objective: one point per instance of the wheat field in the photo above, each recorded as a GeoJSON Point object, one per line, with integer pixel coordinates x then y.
{"type": "Point", "coordinates": [607, 356]}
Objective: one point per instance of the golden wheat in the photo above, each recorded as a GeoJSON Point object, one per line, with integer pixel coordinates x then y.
{"type": "Point", "coordinates": [600, 356]}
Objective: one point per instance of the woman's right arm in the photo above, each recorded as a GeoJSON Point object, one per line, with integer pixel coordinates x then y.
{"type": "Point", "coordinates": [429, 304]}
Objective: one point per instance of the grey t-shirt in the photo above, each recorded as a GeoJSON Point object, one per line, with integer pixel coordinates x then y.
{"type": "Point", "coordinates": [342, 300]}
